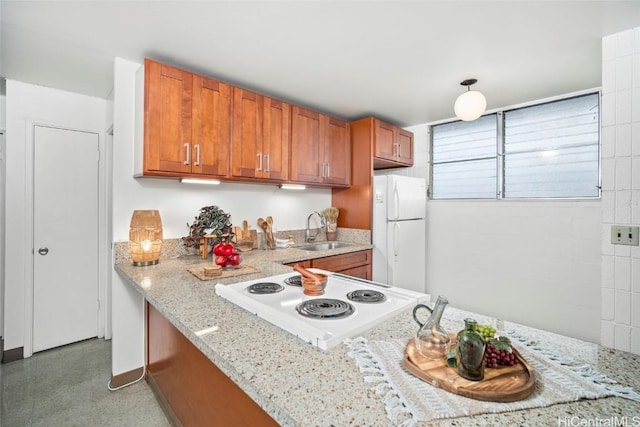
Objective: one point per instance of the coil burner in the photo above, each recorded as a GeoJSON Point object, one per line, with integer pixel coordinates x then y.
{"type": "Point", "coordinates": [263, 288]}
{"type": "Point", "coordinates": [366, 295]}
{"type": "Point", "coordinates": [325, 308]}
{"type": "Point", "coordinates": [294, 280]}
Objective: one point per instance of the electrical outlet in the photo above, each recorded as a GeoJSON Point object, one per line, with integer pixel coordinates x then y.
{"type": "Point", "coordinates": [624, 235]}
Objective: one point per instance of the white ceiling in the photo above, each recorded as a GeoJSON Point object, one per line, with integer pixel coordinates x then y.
{"type": "Point", "coordinates": [400, 61]}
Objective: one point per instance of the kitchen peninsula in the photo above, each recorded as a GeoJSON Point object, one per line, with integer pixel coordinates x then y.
{"type": "Point", "coordinates": [296, 384]}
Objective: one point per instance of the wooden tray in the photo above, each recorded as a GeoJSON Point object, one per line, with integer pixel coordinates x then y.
{"type": "Point", "coordinates": [503, 384]}
{"type": "Point", "coordinates": [198, 271]}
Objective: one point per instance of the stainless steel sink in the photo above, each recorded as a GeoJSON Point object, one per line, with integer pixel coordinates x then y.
{"type": "Point", "coordinates": [323, 246]}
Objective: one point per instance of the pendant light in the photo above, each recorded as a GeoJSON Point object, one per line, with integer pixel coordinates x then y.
{"type": "Point", "coordinates": [471, 104]}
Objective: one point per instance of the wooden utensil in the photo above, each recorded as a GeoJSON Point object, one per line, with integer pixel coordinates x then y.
{"type": "Point", "coordinates": [245, 230]}
{"type": "Point", "coordinates": [270, 225]}
{"type": "Point", "coordinates": [265, 228]}
{"type": "Point", "coordinates": [306, 273]}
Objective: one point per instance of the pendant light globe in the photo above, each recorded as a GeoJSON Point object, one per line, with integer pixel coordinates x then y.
{"type": "Point", "coordinates": [471, 104]}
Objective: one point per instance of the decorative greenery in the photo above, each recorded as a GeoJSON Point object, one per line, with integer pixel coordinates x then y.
{"type": "Point", "coordinates": [211, 220]}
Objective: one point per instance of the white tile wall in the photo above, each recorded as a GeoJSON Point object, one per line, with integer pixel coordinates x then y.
{"type": "Point", "coordinates": [635, 136]}
{"type": "Point", "coordinates": [623, 106]}
{"type": "Point", "coordinates": [635, 315]}
{"type": "Point", "coordinates": [622, 337]}
{"type": "Point", "coordinates": [620, 120]}
{"type": "Point", "coordinates": [623, 207]}
{"type": "Point", "coordinates": [623, 170]}
{"type": "Point", "coordinates": [608, 142]}
{"type": "Point", "coordinates": [608, 272]}
{"type": "Point", "coordinates": [623, 140]}
{"type": "Point", "coordinates": [635, 277]}
{"type": "Point", "coordinates": [608, 308]}
{"type": "Point", "coordinates": [607, 334]}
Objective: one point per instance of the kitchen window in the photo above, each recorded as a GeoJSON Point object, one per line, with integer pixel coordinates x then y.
{"type": "Point", "coordinates": [546, 150]}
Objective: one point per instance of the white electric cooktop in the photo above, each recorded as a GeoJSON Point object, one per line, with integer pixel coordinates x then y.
{"type": "Point", "coordinates": [343, 317]}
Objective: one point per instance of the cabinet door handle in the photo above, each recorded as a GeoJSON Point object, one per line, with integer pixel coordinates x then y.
{"type": "Point", "coordinates": [187, 160]}
{"type": "Point", "coordinates": [268, 163]}
{"type": "Point", "coordinates": [197, 155]}
{"type": "Point", "coordinates": [259, 162]}
{"type": "Point", "coordinates": [328, 170]}
{"type": "Point", "coordinates": [321, 170]}
{"type": "Point", "coordinates": [399, 150]}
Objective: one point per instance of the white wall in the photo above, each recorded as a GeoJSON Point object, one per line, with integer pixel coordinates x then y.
{"type": "Point", "coordinates": [28, 103]}
{"type": "Point", "coordinates": [3, 101]}
{"type": "Point", "coordinates": [532, 262]}
{"type": "Point", "coordinates": [620, 188]}
{"type": "Point", "coordinates": [178, 205]}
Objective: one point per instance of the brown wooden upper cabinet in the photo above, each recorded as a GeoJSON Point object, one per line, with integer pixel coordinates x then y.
{"type": "Point", "coordinates": [186, 123]}
{"type": "Point", "coordinates": [320, 149]}
{"type": "Point", "coordinates": [259, 136]}
{"type": "Point", "coordinates": [392, 146]}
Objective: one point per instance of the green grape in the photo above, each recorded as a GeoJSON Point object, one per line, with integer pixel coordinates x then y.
{"type": "Point", "coordinates": [487, 331]}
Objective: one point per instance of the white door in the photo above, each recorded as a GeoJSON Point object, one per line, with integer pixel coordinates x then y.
{"type": "Point", "coordinates": [406, 255]}
{"type": "Point", "coordinates": [65, 237]}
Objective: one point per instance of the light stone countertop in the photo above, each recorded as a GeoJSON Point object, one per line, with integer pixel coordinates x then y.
{"type": "Point", "coordinates": [300, 385]}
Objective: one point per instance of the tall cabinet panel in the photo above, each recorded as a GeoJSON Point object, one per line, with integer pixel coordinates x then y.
{"type": "Point", "coordinates": [186, 119]}
{"type": "Point", "coordinates": [210, 134]}
{"type": "Point", "coordinates": [275, 145]}
{"type": "Point", "coordinates": [260, 136]}
{"type": "Point", "coordinates": [320, 149]}
{"type": "Point", "coordinates": [305, 146]}
{"type": "Point", "coordinates": [337, 152]}
{"type": "Point", "coordinates": [168, 116]}
{"type": "Point", "coordinates": [246, 135]}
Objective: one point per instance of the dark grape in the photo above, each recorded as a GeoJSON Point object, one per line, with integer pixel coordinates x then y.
{"type": "Point", "coordinates": [494, 357]}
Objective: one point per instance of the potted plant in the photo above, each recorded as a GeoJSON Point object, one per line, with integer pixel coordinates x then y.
{"type": "Point", "coordinates": [211, 221]}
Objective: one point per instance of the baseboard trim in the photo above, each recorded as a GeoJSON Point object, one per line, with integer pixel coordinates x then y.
{"type": "Point", "coordinates": [126, 378]}
{"type": "Point", "coordinates": [13, 354]}
{"type": "Point", "coordinates": [166, 408]}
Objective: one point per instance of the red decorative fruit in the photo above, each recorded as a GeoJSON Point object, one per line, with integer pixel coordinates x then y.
{"type": "Point", "coordinates": [235, 258]}
{"type": "Point", "coordinates": [227, 249]}
{"type": "Point", "coordinates": [221, 261]}
{"type": "Point", "coordinates": [217, 249]}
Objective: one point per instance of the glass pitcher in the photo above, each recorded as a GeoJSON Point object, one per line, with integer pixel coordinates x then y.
{"type": "Point", "coordinates": [432, 340]}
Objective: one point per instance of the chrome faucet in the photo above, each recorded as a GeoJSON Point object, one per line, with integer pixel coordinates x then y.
{"type": "Point", "coordinates": [308, 235]}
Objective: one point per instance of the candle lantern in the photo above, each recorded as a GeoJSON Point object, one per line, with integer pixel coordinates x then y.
{"type": "Point", "coordinates": [145, 237]}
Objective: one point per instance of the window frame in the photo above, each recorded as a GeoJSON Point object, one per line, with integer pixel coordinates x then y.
{"type": "Point", "coordinates": [500, 149]}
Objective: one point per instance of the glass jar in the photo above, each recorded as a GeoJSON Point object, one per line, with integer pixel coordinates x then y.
{"type": "Point", "coordinates": [470, 354]}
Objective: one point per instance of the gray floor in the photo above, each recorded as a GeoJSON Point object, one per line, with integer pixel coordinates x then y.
{"type": "Point", "coordinates": [67, 386]}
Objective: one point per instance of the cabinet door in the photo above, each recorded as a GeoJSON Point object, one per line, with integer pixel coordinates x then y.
{"type": "Point", "coordinates": [168, 117]}
{"type": "Point", "coordinates": [405, 147]}
{"type": "Point", "coordinates": [384, 140]}
{"type": "Point", "coordinates": [305, 146]}
{"type": "Point", "coordinates": [210, 134]}
{"type": "Point", "coordinates": [247, 157]}
{"type": "Point", "coordinates": [275, 142]}
{"type": "Point", "coordinates": [337, 152]}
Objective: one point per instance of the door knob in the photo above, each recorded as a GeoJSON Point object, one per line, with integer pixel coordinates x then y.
{"type": "Point", "coordinates": [43, 251]}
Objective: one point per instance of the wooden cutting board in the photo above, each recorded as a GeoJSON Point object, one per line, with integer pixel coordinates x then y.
{"type": "Point", "coordinates": [503, 384]}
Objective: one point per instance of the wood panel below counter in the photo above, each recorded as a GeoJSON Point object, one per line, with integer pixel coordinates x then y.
{"type": "Point", "coordinates": [191, 388]}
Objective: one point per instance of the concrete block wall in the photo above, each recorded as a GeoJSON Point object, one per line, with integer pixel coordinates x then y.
{"type": "Point", "coordinates": [620, 137]}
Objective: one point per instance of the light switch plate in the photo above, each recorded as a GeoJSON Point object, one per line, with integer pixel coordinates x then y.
{"type": "Point", "coordinates": [624, 235]}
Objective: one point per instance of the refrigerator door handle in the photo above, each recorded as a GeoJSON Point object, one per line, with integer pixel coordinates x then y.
{"type": "Point", "coordinates": [396, 201]}
{"type": "Point", "coordinates": [396, 237]}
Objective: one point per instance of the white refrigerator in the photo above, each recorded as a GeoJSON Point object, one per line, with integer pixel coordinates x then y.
{"type": "Point", "coordinates": [399, 212]}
